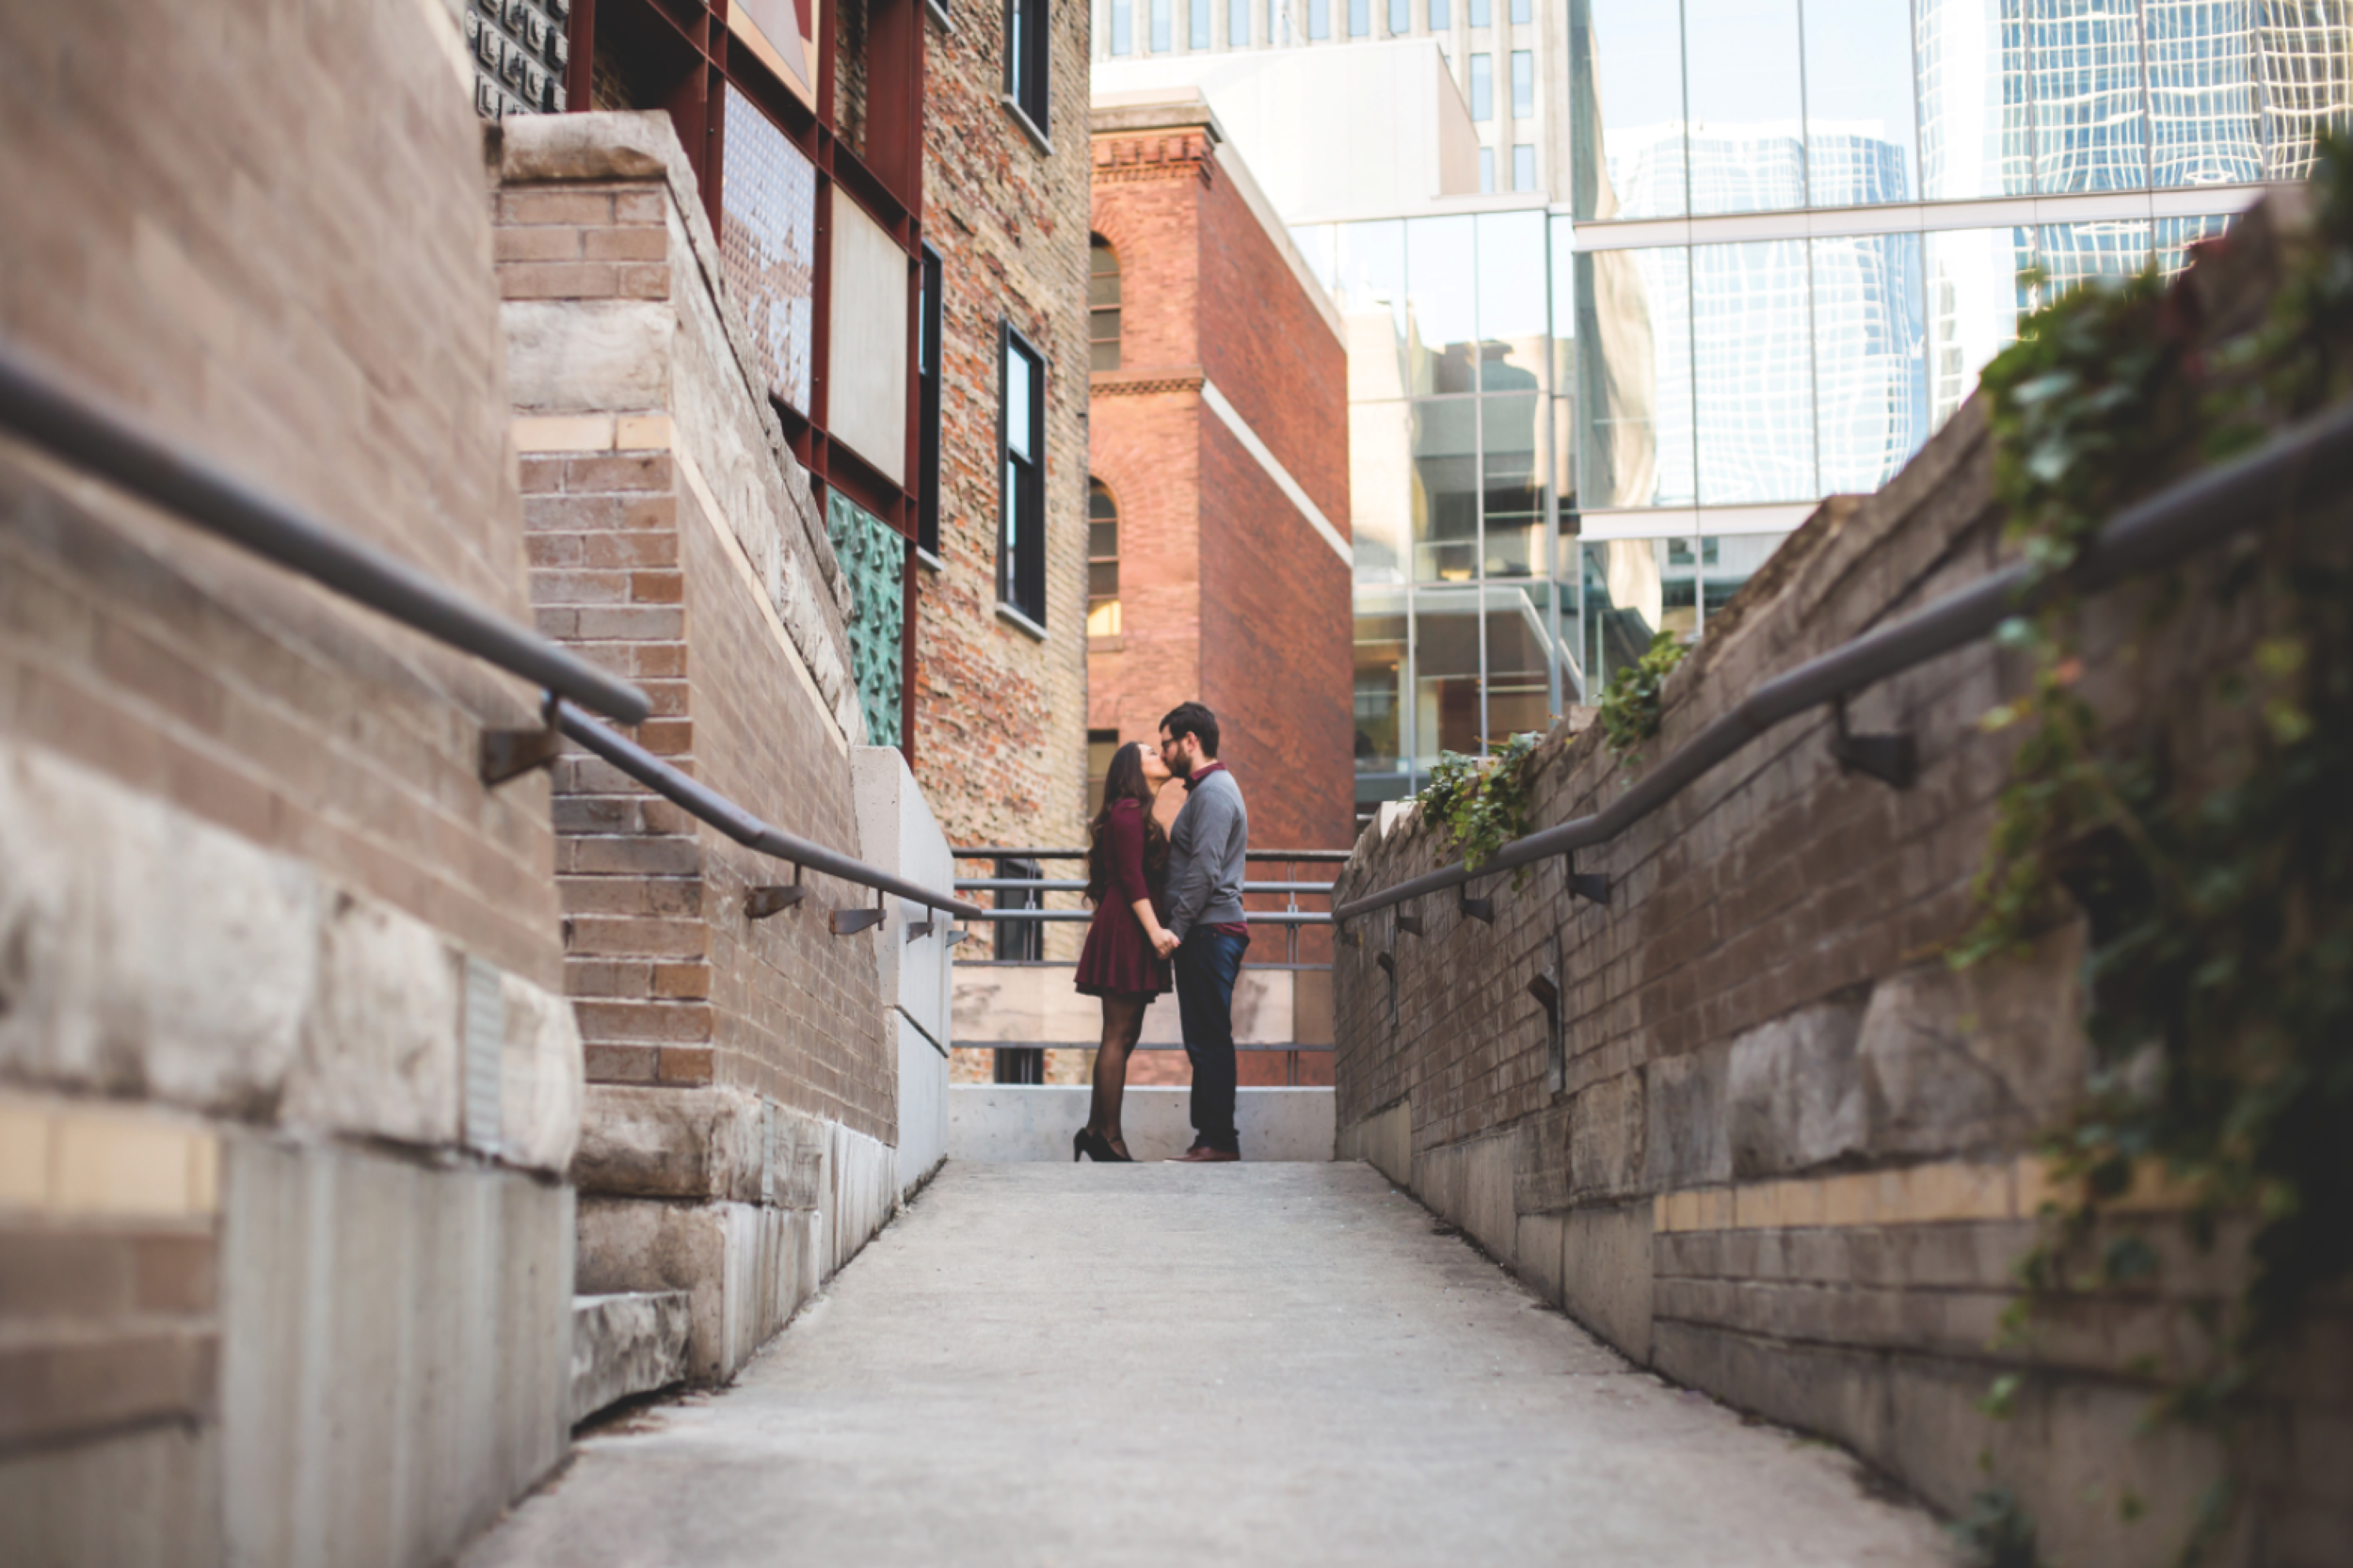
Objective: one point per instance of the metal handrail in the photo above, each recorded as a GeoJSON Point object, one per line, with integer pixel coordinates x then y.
{"type": "Point", "coordinates": [2315, 458]}
{"type": "Point", "coordinates": [1250, 917]}
{"type": "Point", "coordinates": [739, 824]}
{"type": "Point", "coordinates": [91, 436]}
{"type": "Point", "coordinates": [1077, 884]}
{"type": "Point", "coordinates": [1303, 857]}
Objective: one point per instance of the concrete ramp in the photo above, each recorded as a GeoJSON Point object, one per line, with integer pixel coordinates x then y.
{"type": "Point", "coordinates": [1237, 1365]}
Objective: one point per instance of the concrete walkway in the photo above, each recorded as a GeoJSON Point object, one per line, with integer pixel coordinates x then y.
{"type": "Point", "coordinates": [1236, 1364]}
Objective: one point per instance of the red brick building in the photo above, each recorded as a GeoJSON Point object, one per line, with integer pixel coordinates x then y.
{"type": "Point", "coordinates": [1218, 459]}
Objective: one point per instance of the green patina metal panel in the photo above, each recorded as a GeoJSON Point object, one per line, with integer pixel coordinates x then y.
{"type": "Point", "coordinates": [875, 557]}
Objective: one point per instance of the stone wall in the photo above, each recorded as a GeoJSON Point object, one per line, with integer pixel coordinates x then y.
{"type": "Point", "coordinates": [743, 1072]}
{"type": "Point", "coordinates": [262, 918]}
{"type": "Point", "coordinates": [1782, 1152]}
{"type": "Point", "coordinates": [999, 741]}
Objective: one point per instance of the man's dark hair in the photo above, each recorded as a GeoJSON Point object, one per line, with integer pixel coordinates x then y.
{"type": "Point", "coordinates": [1191, 718]}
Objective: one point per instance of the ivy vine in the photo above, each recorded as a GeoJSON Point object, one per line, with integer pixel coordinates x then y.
{"type": "Point", "coordinates": [1631, 705]}
{"type": "Point", "coordinates": [1479, 803]}
{"type": "Point", "coordinates": [2219, 973]}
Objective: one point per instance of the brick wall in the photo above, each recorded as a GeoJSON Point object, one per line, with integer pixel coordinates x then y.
{"type": "Point", "coordinates": [1001, 717]}
{"type": "Point", "coordinates": [1227, 594]}
{"type": "Point", "coordinates": [1788, 1156]}
{"type": "Point", "coordinates": [637, 561]}
{"type": "Point", "coordinates": [247, 861]}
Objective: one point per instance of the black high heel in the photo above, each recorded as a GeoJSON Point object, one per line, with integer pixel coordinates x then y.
{"type": "Point", "coordinates": [1097, 1150]}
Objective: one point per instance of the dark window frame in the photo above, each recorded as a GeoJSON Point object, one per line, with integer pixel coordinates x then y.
{"type": "Point", "coordinates": [1021, 484]}
{"type": "Point", "coordinates": [1028, 53]}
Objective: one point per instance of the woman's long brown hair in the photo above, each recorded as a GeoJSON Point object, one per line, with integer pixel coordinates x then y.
{"type": "Point", "coordinates": [1123, 780]}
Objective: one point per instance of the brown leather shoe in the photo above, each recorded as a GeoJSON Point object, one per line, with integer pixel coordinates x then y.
{"type": "Point", "coordinates": [1201, 1153]}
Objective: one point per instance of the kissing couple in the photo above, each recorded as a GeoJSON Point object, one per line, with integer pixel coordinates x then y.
{"type": "Point", "coordinates": [1166, 899]}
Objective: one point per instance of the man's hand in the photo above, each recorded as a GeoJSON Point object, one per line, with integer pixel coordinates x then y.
{"type": "Point", "coordinates": [1166, 942]}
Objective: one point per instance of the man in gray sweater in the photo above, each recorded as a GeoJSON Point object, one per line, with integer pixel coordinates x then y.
{"type": "Point", "coordinates": [1205, 871]}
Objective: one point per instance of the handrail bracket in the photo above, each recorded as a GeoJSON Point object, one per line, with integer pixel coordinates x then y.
{"type": "Point", "coordinates": [508, 755]}
{"type": "Point", "coordinates": [1894, 759]}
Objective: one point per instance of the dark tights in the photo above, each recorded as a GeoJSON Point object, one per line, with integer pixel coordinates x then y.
{"type": "Point", "coordinates": [1122, 1025]}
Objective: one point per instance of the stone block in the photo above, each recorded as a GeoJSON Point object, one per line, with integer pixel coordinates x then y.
{"type": "Point", "coordinates": [144, 1499]}
{"type": "Point", "coordinates": [590, 356]}
{"type": "Point", "coordinates": [543, 1079]}
{"type": "Point", "coordinates": [1687, 1141]}
{"type": "Point", "coordinates": [632, 1343]}
{"type": "Point", "coordinates": [1794, 1093]}
{"type": "Point", "coordinates": [1540, 1252]}
{"type": "Point", "coordinates": [699, 1143]}
{"type": "Point", "coordinates": [351, 1281]}
{"type": "Point", "coordinates": [1606, 1274]}
{"type": "Point", "coordinates": [1384, 1140]}
{"type": "Point", "coordinates": [744, 1269]}
{"type": "Point", "coordinates": [118, 915]}
{"type": "Point", "coordinates": [1981, 1057]}
{"type": "Point", "coordinates": [380, 1044]}
{"type": "Point", "coordinates": [1607, 1132]}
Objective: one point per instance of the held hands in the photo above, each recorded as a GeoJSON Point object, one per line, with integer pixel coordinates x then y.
{"type": "Point", "coordinates": [1164, 941]}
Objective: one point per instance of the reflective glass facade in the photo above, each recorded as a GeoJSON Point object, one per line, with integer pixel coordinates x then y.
{"type": "Point", "coordinates": [1574, 429]}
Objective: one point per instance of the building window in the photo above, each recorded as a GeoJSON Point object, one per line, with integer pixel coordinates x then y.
{"type": "Point", "coordinates": [1486, 171]}
{"type": "Point", "coordinates": [1483, 94]}
{"type": "Point", "coordinates": [1021, 506]}
{"type": "Point", "coordinates": [1279, 21]}
{"type": "Point", "coordinates": [1400, 17]}
{"type": "Point", "coordinates": [1359, 18]}
{"type": "Point", "coordinates": [1238, 23]}
{"type": "Point", "coordinates": [1198, 21]}
{"type": "Point", "coordinates": [1524, 166]}
{"type": "Point", "coordinates": [1102, 561]}
{"type": "Point", "coordinates": [1441, 16]}
{"type": "Point", "coordinates": [1319, 19]}
{"type": "Point", "coordinates": [1523, 84]}
{"type": "Point", "coordinates": [1020, 942]}
{"type": "Point", "coordinates": [1102, 304]}
{"type": "Point", "coordinates": [1123, 26]}
{"type": "Point", "coordinates": [1163, 37]}
{"type": "Point", "coordinates": [927, 474]}
{"type": "Point", "coordinates": [1481, 14]}
{"type": "Point", "coordinates": [1026, 44]}
{"type": "Point", "coordinates": [1102, 745]}
{"type": "Point", "coordinates": [1523, 12]}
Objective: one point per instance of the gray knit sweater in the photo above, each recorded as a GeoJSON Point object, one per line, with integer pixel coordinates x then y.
{"type": "Point", "coordinates": [1205, 856]}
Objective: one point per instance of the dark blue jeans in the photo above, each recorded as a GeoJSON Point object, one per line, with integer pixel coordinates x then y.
{"type": "Point", "coordinates": [1207, 964]}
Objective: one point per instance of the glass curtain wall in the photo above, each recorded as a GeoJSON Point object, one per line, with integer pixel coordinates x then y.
{"type": "Point", "coordinates": [1563, 446]}
{"type": "Point", "coordinates": [1466, 623]}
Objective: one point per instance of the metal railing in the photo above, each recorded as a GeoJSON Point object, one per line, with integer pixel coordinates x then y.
{"type": "Point", "coordinates": [1292, 919]}
{"type": "Point", "coordinates": [83, 432]}
{"type": "Point", "coordinates": [2312, 460]}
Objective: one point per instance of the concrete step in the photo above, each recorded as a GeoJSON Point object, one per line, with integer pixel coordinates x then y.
{"type": "Point", "coordinates": [630, 1343]}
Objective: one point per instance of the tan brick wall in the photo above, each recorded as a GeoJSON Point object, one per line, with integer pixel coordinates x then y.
{"type": "Point", "coordinates": [1000, 718]}
{"type": "Point", "coordinates": [168, 244]}
{"type": "Point", "coordinates": [637, 564]}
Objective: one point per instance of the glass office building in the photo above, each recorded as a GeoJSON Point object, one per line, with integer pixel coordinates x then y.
{"type": "Point", "coordinates": [1796, 230]}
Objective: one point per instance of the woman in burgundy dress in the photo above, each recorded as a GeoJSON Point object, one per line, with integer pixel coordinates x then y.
{"type": "Point", "coordinates": [1125, 958]}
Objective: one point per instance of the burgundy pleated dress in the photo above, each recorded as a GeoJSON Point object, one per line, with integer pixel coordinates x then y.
{"type": "Point", "coordinates": [1116, 960]}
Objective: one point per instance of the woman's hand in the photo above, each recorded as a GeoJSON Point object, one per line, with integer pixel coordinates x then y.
{"type": "Point", "coordinates": [1164, 941]}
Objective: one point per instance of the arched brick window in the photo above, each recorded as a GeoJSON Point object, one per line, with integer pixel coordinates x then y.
{"type": "Point", "coordinates": [1102, 304]}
